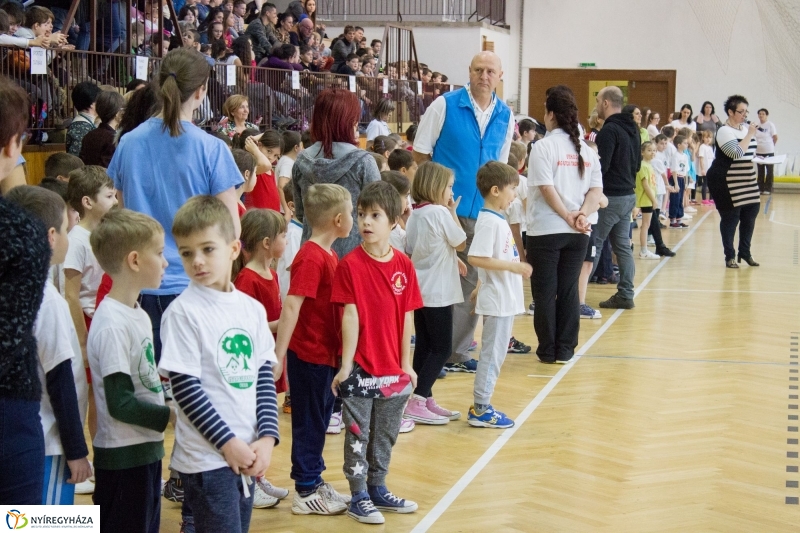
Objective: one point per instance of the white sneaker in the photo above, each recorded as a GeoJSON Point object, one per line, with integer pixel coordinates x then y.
{"type": "Point", "coordinates": [689, 210]}
{"type": "Point", "coordinates": [333, 494]}
{"type": "Point", "coordinates": [262, 500]}
{"type": "Point", "coordinates": [662, 216]}
{"type": "Point", "coordinates": [318, 502]}
{"type": "Point", "coordinates": [686, 217]}
{"type": "Point", "coordinates": [650, 240]}
{"type": "Point", "coordinates": [335, 425]}
{"type": "Point", "coordinates": [276, 492]}
{"type": "Point", "coordinates": [87, 487]}
{"type": "Point", "coordinates": [406, 425]}
{"type": "Point", "coordinates": [647, 254]}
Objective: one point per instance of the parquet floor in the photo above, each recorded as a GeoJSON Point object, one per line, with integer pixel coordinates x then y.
{"type": "Point", "coordinates": [677, 416]}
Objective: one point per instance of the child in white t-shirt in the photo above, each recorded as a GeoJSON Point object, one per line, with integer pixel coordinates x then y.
{"type": "Point", "coordinates": [705, 157]}
{"type": "Point", "coordinates": [403, 187]}
{"type": "Point", "coordinates": [292, 145]}
{"type": "Point", "coordinates": [679, 170]}
{"type": "Point", "coordinates": [131, 415]}
{"type": "Point", "coordinates": [434, 235]}
{"type": "Point", "coordinates": [218, 353]}
{"type": "Point", "coordinates": [294, 236]}
{"type": "Point", "coordinates": [64, 398]}
{"type": "Point", "coordinates": [499, 292]}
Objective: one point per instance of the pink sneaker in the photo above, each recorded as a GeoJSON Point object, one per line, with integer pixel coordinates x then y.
{"type": "Point", "coordinates": [432, 406]}
{"type": "Point", "coordinates": [406, 425]}
{"type": "Point", "coordinates": [335, 425]}
{"type": "Point", "coordinates": [706, 202]}
{"type": "Point", "coordinates": [417, 410]}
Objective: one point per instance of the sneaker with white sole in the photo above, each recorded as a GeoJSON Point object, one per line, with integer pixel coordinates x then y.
{"type": "Point", "coordinates": [406, 425]}
{"type": "Point", "coordinates": [488, 419]}
{"type": "Point", "coordinates": [276, 492]}
{"type": "Point", "coordinates": [531, 308]}
{"type": "Point", "coordinates": [173, 490]}
{"type": "Point", "coordinates": [318, 502]}
{"type": "Point", "coordinates": [469, 367]}
{"type": "Point", "coordinates": [334, 495]}
{"type": "Point", "coordinates": [364, 511]}
{"type": "Point", "coordinates": [435, 408]}
{"type": "Point", "coordinates": [588, 311]}
{"type": "Point", "coordinates": [384, 500]}
{"type": "Point", "coordinates": [262, 500]}
{"type": "Point", "coordinates": [87, 487]}
{"type": "Point", "coordinates": [335, 424]}
{"type": "Point", "coordinates": [647, 254]}
{"type": "Point", "coordinates": [417, 410]}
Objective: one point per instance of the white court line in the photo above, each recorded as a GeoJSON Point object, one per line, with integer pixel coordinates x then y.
{"type": "Point", "coordinates": [455, 491]}
{"type": "Point", "coordinates": [772, 219]}
{"type": "Point", "coordinates": [724, 290]}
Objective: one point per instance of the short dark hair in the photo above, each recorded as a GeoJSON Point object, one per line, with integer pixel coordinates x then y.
{"type": "Point", "coordinates": [14, 11]}
{"type": "Point", "coordinates": [288, 191]}
{"type": "Point", "coordinates": [45, 205]}
{"type": "Point", "coordinates": [304, 49]}
{"type": "Point", "coordinates": [86, 181]}
{"type": "Point", "coordinates": [61, 164]}
{"type": "Point", "coordinates": [134, 84]}
{"type": "Point", "coordinates": [37, 15]}
{"type": "Point", "coordinates": [397, 180]}
{"type": "Point", "coordinates": [14, 108]}
{"type": "Point", "coordinates": [411, 133]}
{"type": "Point", "coordinates": [400, 159]}
{"type": "Point", "coordinates": [356, 28]}
{"type": "Point", "coordinates": [56, 185]}
{"type": "Point", "coordinates": [383, 195]}
{"type": "Point", "coordinates": [660, 137]}
{"type": "Point", "coordinates": [268, 7]}
{"type": "Point", "coordinates": [526, 125]}
{"type": "Point", "coordinates": [85, 94]}
{"type": "Point", "coordinates": [495, 173]}
{"type": "Point", "coordinates": [678, 140]}
{"type": "Point", "coordinates": [245, 161]}
{"type": "Point", "coordinates": [734, 101]}
{"type": "Point", "coordinates": [272, 139]}
{"type": "Point", "coordinates": [764, 109]}
{"type": "Point", "coordinates": [108, 105]}
{"type": "Point", "coordinates": [290, 140]}
{"type": "Point", "coordinates": [384, 107]}
{"type": "Point", "coordinates": [351, 57]}
{"type": "Point", "coordinates": [375, 41]}
{"type": "Point", "coordinates": [668, 131]}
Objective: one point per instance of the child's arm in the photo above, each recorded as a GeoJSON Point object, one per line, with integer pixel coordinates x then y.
{"type": "Point", "coordinates": [286, 325]}
{"type": "Point", "coordinates": [60, 384]}
{"type": "Point", "coordinates": [515, 231]}
{"type": "Point", "coordinates": [490, 263]}
{"type": "Point", "coordinates": [405, 354]}
{"type": "Point", "coordinates": [350, 327]}
{"type": "Point", "coordinates": [72, 292]}
{"type": "Point", "coordinates": [267, 413]}
{"type": "Point", "coordinates": [262, 161]}
{"type": "Point", "coordinates": [124, 406]}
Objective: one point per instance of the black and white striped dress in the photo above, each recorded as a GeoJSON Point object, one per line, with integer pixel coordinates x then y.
{"type": "Point", "coordinates": [732, 176]}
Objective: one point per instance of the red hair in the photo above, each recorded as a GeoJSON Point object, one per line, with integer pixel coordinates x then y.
{"type": "Point", "coordinates": [336, 112]}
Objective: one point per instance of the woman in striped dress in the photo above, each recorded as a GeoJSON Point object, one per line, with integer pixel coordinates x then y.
{"type": "Point", "coordinates": [732, 181]}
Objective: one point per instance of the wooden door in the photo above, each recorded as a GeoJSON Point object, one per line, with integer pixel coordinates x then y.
{"type": "Point", "coordinates": [652, 94]}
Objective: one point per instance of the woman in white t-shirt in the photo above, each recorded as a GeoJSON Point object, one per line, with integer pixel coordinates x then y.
{"type": "Point", "coordinates": [684, 120]}
{"type": "Point", "coordinates": [378, 125]}
{"type": "Point", "coordinates": [766, 137]}
{"type": "Point", "coordinates": [565, 188]}
{"type": "Point", "coordinates": [652, 125]}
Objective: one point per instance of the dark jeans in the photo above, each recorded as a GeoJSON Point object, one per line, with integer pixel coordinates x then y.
{"type": "Point", "coordinates": [605, 266]}
{"type": "Point", "coordinates": [614, 222]}
{"type": "Point", "coordinates": [557, 262]}
{"type": "Point", "coordinates": [129, 499]}
{"type": "Point", "coordinates": [155, 306]}
{"type": "Point", "coordinates": [655, 229]}
{"type": "Point", "coordinates": [21, 453]}
{"type": "Point", "coordinates": [218, 500]}
{"type": "Point", "coordinates": [676, 199]}
{"type": "Point", "coordinates": [433, 326]}
{"type": "Point", "coordinates": [312, 405]}
{"type": "Point", "coordinates": [744, 217]}
{"type": "Point", "coordinates": [766, 174]}
{"type": "Point", "coordinates": [702, 184]}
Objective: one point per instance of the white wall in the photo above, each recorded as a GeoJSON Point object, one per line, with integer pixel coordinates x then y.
{"type": "Point", "coordinates": [563, 33]}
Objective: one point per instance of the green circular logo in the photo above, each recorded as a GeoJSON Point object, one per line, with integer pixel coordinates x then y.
{"type": "Point", "coordinates": [148, 374]}
{"type": "Point", "coordinates": [234, 358]}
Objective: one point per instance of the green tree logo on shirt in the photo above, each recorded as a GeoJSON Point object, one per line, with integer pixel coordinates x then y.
{"type": "Point", "coordinates": [148, 374]}
{"type": "Point", "coordinates": [234, 355]}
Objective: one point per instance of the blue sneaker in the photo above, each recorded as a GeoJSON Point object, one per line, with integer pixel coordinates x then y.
{"type": "Point", "coordinates": [363, 510]}
{"type": "Point", "coordinates": [386, 501]}
{"type": "Point", "coordinates": [589, 312]}
{"type": "Point", "coordinates": [489, 419]}
{"type": "Point", "coordinates": [470, 366]}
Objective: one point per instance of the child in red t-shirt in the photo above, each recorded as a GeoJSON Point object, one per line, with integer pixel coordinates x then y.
{"type": "Point", "coordinates": [266, 148]}
{"type": "Point", "coordinates": [379, 290]}
{"type": "Point", "coordinates": [263, 240]}
{"type": "Point", "coordinates": [309, 345]}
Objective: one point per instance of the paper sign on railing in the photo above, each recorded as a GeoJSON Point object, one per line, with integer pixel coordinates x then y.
{"type": "Point", "coordinates": [231, 75]}
{"type": "Point", "coordinates": [419, 87]}
{"type": "Point", "coordinates": [451, 87]}
{"type": "Point", "coordinates": [38, 60]}
{"type": "Point", "coordinates": [385, 85]}
{"type": "Point", "coordinates": [295, 80]}
{"type": "Point", "coordinates": [141, 68]}
{"type": "Point", "coordinates": [352, 84]}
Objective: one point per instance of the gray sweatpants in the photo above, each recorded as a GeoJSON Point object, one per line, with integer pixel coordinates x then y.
{"type": "Point", "coordinates": [367, 455]}
{"type": "Point", "coordinates": [494, 346]}
{"type": "Point", "coordinates": [464, 320]}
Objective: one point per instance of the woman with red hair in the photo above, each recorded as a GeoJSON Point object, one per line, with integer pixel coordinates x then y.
{"type": "Point", "coordinates": [334, 157]}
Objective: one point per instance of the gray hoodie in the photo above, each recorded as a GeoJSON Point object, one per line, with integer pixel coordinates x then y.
{"type": "Point", "coordinates": [351, 167]}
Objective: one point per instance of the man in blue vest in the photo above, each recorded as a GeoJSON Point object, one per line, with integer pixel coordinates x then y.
{"type": "Point", "coordinates": [463, 130]}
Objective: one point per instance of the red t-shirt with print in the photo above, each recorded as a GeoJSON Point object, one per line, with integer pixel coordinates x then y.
{"type": "Point", "coordinates": [383, 294]}
{"type": "Point", "coordinates": [317, 336]}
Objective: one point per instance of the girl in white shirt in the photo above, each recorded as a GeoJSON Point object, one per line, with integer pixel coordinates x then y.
{"type": "Point", "coordinates": [705, 156]}
{"type": "Point", "coordinates": [434, 235]}
{"type": "Point", "coordinates": [378, 126]}
{"type": "Point", "coordinates": [766, 137]}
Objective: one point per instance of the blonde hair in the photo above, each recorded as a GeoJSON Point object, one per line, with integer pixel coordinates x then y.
{"type": "Point", "coordinates": [200, 213]}
{"type": "Point", "coordinates": [707, 134]}
{"type": "Point", "coordinates": [323, 201]}
{"type": "Point", "coordinates": [232, 104]}
{"type": "Point", "coordinates": [120, 232]}
{"type": "Point", "coordinates": [257, 225]}
{"type": "Point", "coordinates": [430, 181]}
{"type": "Point", "coordinates": [594, 119]}
{"type": "Point", "coordinates": [519, 150]}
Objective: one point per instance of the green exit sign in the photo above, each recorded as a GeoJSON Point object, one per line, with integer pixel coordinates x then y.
{"type": "Point", "coordinates": [586, 65]}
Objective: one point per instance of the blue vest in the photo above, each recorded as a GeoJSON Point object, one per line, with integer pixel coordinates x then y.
{"type": "Point", "coordinates": [461, 148]}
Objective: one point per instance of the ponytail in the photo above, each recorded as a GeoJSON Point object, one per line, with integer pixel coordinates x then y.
{"type": "Point", "coordinates": [183, 71]}
{"type": "Point", "coordinates": [257, 225]}
{"type": "Point", "coordinates": [561, 101]}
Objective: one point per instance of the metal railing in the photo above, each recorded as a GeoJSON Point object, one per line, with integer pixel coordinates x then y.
{"type": "Point", "coordinates": [492, 11]}
{"type": "Point", "coordinates": [278, 98]}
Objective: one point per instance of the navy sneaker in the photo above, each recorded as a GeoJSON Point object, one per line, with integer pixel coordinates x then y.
{"type": "Point", "coordinates": [488, 419]}
{"type": "Point", "coordinates": [173, 490]}
{"type": "Point", "coordinates": [514, 346]}
{"type": "Point", "coordinates": [386, 501]}
{"type": "Point", "coordinates": [363, 510]}
{"type": "Point", "coordinates": [469, 367]}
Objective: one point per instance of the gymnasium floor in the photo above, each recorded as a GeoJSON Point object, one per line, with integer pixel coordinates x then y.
{"type": "Point", "coordinates": [679, 415]}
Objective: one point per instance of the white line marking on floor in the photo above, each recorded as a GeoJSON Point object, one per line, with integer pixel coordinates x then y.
{"type": "Point", "coordinates": [455, 491]}
{"type": "Point", "coordinates": [538, 376]}
{"type": "Point", "coordinates": [723, 290]}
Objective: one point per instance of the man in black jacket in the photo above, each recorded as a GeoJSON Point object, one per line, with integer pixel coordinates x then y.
{"type": "Point", "coordinates": [619, 147]}
{"type": "Point", "coordinates": [262, 31]}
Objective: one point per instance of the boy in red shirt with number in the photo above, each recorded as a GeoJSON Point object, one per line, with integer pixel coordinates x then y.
{"type": "Point", "coordinates": [379, 290]}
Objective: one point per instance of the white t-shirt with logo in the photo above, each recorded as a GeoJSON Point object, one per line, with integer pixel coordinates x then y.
{"type": "Point", "coordinates": [56, 342]}
{"type": "Point", "coordinates": [554, 162]}
{"type": "Point", "coordinates": [223, 339]}
{"type": "Point", "coordinates": [80, 257]}
{"type": "Point", "coordinates": [707, 155]}
{"type": "Point", "coordinates": [679, 165]}
{"type": "Point", "coordinates": [659, 164]}
{"type": "Point", "coordinates": [432, 236]}
{"type": "Point", "coordinates": [294, 236]}
{"type": "Point", "coordinates": [764, 133]}
{"type": "Point", "coordinates": [500, 293]}
{"type": "Point", "coordinates": [121, 340]}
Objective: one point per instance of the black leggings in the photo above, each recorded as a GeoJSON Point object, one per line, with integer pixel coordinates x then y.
{"type": "Point", "coordinates": [655, 229]}
{"type": "Point", "coordinates": [434, 344]}
{"type": "Point", "coordinates": [702, 184]}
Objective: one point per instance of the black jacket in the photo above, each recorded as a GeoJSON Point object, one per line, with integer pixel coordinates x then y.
{"type": "Point", "coordinates": [263, 38]}
{"type": "Point", "coordinates": [619, 147]}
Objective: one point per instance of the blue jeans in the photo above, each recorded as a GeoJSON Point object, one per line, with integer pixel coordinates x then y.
{"type": "Point", "coordinates": [676, 199]}
{"type": "Point", "coordinates": [21, 453]}
{"type": "Point", "coordinates": [614, 222]}
{"type": "Point", "coordinates": [218, 501]}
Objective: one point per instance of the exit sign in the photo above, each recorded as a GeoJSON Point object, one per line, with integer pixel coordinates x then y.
{"type": "Point", "coordinates": [586, 65]}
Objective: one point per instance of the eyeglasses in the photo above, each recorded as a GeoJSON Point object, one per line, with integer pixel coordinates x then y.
{"type": "Point", "coordinates": [743, 112]}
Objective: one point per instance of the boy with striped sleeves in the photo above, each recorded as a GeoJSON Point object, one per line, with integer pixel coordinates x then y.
{"type": "Point", "coordinates": [218, 353]}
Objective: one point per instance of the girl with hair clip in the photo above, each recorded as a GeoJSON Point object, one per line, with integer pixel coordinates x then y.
{"type": "Point", "coordinates": [383, 145]}
{"type": "Point", "coordinates": [565, 189]}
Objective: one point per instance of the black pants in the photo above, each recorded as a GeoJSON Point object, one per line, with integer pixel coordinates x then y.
{"type": "Point", "coordinates": [766, 174]}
{"type": "Point", "coordinates": [745, 218]}
{"type": "Point", "coordinates": [558, 260]}
{"type": "Point", "coordinates": [605, 265]}
{"type": "Point", "coordinates": [655, 229]}
{"type": "Point", "coordinates": [434, 344]}
{"type": "Point", "coordinates": [129, 499]}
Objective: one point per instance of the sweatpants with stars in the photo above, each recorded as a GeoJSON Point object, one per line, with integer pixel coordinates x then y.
{"type": "Point", "coordinates": [368, 450]}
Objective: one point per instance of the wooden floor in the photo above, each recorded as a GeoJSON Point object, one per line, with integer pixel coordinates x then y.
{"type": "Point", "coordinates": [680, 415]}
